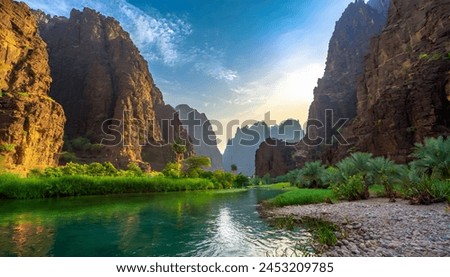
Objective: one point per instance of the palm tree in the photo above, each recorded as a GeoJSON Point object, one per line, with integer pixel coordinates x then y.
{"type": "Point", "coordinates": [385, 172]}
{"type": "Point", "coordinates": [433, 157]}
{"type": "Point", "coordinates": [361, 162]}
{"type": "Point", "coordinates": [312, 174]}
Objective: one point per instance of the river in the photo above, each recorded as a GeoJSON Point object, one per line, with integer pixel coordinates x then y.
{"type": "Point", "coordinates": [187, 224]}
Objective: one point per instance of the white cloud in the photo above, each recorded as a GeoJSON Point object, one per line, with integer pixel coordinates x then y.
{"type": "Point", "coordinates": [158, 37]}
{"type": "Point", "coordinates": [210, 61]}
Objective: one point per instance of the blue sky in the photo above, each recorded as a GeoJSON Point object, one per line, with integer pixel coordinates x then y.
{"type": "Point", "coordinates": [231, 59]}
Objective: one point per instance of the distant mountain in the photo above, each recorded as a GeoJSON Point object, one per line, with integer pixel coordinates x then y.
{"type": "Point", "coordinates": [241, 149]}
{"type": "Point", "coordinates": [107, 91]}
{"type": "Point", "coordinates": [31, 123]}
{"type": "Point", "coordinates": [202, 136]}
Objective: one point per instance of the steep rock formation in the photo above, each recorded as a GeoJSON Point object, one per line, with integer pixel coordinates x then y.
{"type": "Point", "coordinates": [404, 94]}
{"type": "Point", "coordinates": [31, 123]}
{"type": "Point", "coordinates": [172, 131]}
{"type": "Point", "coordinates": [106, 89]}
{"type": "Point", "coordinates": [274, 157]}
{"type": "Point", "coordinates": [201, 134]}
{"type": "Point", "coordinates": [348, 46]}
{"type": "Point", "coordinates": [241, 150]}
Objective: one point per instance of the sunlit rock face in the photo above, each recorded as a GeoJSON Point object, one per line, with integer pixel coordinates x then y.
{"type": "Point", "coordinates": [31, 123]}
{"type": "Point", "coordinates": [106, 89]}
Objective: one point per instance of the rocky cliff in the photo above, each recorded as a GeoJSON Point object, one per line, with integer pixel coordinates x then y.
{"type": "Point", "coordinates": [31, 123]}
{"type": "Point", "coordinates": [348, 46]}
{"type": "Point", "coordinates": [106, 89]}
{"type": "Point", "coordinates": [404, 93]}
{"type": "Point", "coordinates": [202, 136]}
{"type": "Point", "coordinates": [274, 157]}
{"type": "Point", "coordinates": [241, 150]}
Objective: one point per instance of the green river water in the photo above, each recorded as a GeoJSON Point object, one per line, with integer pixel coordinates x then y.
{"type": "Point", "coordinates": [188, 224]}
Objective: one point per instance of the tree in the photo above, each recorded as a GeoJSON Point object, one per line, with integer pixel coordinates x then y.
{"type": "Point", "coordinates": [234, 168]}
{"type": "Point", "coordinates": [433, 157]}
{"type": "Point", "coordinates": [386, 173]}
{"type": "Point", "coordinates": [312, 174]}
{"type": "Point", "coordinates": [172, 170]}
{"type": "Point", "coordinates": [361, 162]}
{"type": "Point", "coordinates": [194, 165]}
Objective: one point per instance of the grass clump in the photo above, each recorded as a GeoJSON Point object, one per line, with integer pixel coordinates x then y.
{"type": "Point", "coordinates": [322, 231]}
{"type": "Point", "coordinates": [302, 197]}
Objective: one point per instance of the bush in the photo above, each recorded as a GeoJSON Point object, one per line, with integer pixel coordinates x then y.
{"type": "Point", "coordinates": [135, 170]}
{"type": "Point", "coordinates": [241, 180]}
{"type": "Point", "coordinates": [433, 157]}
{"type": "Point", "coordinates": [172, 170]}
{"type": "Point", "coordinates": [426, 191]}
{"type": "Point", "coordinates": [311, 175]}
{"type": "Point", "coordinates": [222, 179]}
{"type": "Point", "coordinates": [352, 189]}
{"type": "Point", "coordinates": [194, 166]}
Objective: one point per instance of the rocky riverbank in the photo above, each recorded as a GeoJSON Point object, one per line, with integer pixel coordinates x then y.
{"type": "Point", "coordinates": [378, 228]}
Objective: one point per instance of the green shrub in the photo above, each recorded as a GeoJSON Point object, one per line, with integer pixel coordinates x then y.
{"type": "Point", "coordinates": [172, 170]}
{"type": "Point", "coordinates": [352, 189]}
{"type": "Point", "coordinates": [433, 157]}
{"type": "Point", "coordinates": [240, 181]}
{"type": "Point", "coordinates": [135, 170]}
{"type": "Point", "coordinates": [222, 179]}
{"type": "Point", "coordinates": [311, 175]}
{"type": "Point", "coordinates": [426, 191]}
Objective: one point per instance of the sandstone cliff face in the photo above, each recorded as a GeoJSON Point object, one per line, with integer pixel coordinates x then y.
{"type": "Point", "coordinates": [105, 87]}
{"type": "Point", "coordinates": [201, 134]}
{"type": "Point", "coordinates": [31, 123]}
{"type": "Point", "coordinates": [345, 63]}
{"type": "Point", "coordinates": [404, 94]}
{"type": "Point", "coordinates": [274, 157]}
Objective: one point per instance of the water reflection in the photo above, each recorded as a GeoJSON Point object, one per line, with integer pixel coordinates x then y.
{"type": "Point", "coordinates": [172, 224]}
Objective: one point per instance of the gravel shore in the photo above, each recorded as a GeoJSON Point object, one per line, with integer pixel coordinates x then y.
{"type": "Point", "coordinates": [378, 228]}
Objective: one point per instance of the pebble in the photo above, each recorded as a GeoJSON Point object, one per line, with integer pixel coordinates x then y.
{"type": "Point", "coordinates": [378, 228]}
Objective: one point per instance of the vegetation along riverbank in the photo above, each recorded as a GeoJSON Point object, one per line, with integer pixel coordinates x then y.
{"type": "Point", "coordinates": [362, 206]}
